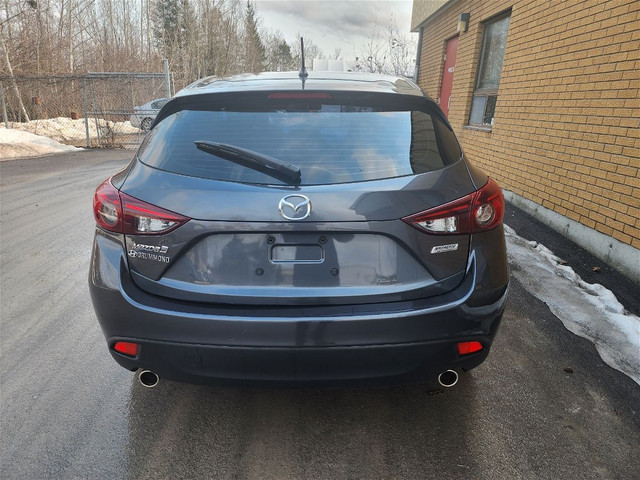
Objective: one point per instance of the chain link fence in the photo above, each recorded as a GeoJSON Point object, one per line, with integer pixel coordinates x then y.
{"type": "Point", "coordinates": [93, 110]}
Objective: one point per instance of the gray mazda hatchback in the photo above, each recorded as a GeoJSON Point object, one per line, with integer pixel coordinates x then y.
{"type": "Point", "coordinates": [282, 229]}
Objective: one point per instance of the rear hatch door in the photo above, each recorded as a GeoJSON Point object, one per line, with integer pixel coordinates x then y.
{"type": "Point", "coordinates": [336, 236]}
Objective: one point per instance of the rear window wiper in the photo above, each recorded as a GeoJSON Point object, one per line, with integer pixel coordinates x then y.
{"type": "Point", "coordinates": [257, 161]}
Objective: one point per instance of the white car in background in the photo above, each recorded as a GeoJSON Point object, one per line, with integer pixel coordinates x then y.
{"type": "Point", "coordinates": [143, 116]}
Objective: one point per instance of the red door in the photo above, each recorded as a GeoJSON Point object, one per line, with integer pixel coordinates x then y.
{"type": "Point", "coordinates": [447, 74]}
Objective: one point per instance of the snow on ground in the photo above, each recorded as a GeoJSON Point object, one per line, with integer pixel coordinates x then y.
{"type": "Point", "coordinates": [588, 310]}
{"type": "Point", "coordinates": [16, 143]}
{"type": "Point", "coordinates": [66, 130]}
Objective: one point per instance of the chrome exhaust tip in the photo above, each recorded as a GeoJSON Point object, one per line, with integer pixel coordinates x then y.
{"type": "Point", "coordinates": [148, 379]}
{"type": "Point", "coordinates": [448, 378]}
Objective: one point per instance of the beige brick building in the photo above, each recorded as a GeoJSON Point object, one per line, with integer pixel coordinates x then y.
{"type": "Point", "coordinates": [544, 96]}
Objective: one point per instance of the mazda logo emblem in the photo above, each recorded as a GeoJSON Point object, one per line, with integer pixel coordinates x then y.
{"type": "Point", "coordinates": [295, 207]}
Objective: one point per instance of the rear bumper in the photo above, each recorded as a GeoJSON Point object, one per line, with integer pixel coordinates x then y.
{"type": "Point", "coordinates": [374, 343]}
{"type": "Point", "coordinates": [356, 365]}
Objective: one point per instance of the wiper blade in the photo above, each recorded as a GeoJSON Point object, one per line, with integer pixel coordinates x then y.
{"type": "Point", "coordinates": [256, 161]}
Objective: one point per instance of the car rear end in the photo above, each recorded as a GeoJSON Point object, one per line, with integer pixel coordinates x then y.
{"type": "Point", "coordinates": [381, 260]}
{"type": "Point", "coordinates": [137, 114]}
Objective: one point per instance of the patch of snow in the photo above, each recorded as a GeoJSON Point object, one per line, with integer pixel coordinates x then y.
{"type": "Point", "coordinates": [588, 310]}
{"type": "Point", "coordinates": [66, 130]}
{"type": "Point", "coordinates": [16, 143]}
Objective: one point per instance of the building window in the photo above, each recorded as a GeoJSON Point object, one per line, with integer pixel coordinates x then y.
{"type": "Point", "coordinates": [485, 95]}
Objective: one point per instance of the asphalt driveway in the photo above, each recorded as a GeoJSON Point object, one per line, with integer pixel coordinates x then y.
{"type": "Point", "coordinates": [68, 411]}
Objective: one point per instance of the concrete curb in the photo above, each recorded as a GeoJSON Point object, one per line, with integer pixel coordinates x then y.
{"type": "Point", "coordinates": [622, 257]}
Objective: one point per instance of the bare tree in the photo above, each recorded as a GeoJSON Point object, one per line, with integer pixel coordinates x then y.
{"type": "Point", "coordinates": [390, 52]}
{"type": "Point", "coordinates": [311, 51]}
{"type": "Point", "coordinates": [14, 86]}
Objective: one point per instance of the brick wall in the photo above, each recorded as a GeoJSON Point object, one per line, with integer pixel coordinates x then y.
{"type": "Point", "coordinates": [567, 121]}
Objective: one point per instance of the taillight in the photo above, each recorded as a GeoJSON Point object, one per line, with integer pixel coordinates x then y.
{"type": "Point", "coordinates": [488, 207]}
{"type": "Point", "coordinates": [120, 213]}
{"type": "Point", "coordinates": [141, 218]}
{"type": "Point", "coordinates": [477, 212]}
{"type": "Point", "coordinates": [107, 207]}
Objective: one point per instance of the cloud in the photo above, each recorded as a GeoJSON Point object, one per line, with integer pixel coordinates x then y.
{"type": "Point", "coordinates": [345, 23]}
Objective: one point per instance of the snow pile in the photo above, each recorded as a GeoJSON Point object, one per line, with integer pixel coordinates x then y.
{"type": "Point", "coordinates": [66, 130]}
{"type": "Point", "coordinates": [15, 143]}
{"type": "Point", "coordinates": [588, 310]}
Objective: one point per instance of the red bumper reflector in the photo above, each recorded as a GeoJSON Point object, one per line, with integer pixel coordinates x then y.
{"type": "Point", "coordinates": [465, 348]}
{"type": "Point", "coordinates": [126, 348]}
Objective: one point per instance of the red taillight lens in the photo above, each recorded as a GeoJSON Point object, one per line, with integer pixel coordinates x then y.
{"type": "Point", "coordinates": [450, 218]}
{"type": "Point", "coordinates": [120, 213]}
{"type": "Point", "coordinates": [488, 207]}
{"type": "Point", "coordinates": [107, 207]}
{"type": "Point", "coordinates": [126, 348]}
{"type": "Point", "coordinates": [477, 212]}
{"type": "Point", "coordinates": [141, 218]}
{"type": "Point", "coordinates": [465, 348]}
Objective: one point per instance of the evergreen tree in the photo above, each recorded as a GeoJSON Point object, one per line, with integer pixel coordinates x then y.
{"type": "Point", "coordinates": [165, 25]}
{"type": "Point", "coordinates": [173, 23]}
{"type": "Point", "coordinates": [254, 50]}
{"type": "Point", "coordinates": [284, 61]}
{"type": "Point", "coordinates": [187, 24]}
{"type": "Point", "coordinates": [174, 26]}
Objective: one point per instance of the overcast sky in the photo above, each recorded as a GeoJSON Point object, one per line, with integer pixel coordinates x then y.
{"type": "Point", "coordinates": [331, 24]}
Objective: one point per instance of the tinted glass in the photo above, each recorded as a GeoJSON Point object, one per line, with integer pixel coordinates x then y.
{"type": "Point", "coordinates": [477, 109]}
{"type": "Point", "coordinates": [329, 143]}
{"type": "Point", "coordinates": [494, 45]}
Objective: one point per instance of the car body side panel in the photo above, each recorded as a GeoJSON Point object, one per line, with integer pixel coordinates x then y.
{"type": "Point", "coordinates": [478, 176]}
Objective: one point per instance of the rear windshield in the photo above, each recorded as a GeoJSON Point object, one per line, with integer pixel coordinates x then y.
{"type": "Point", "coordinates": [330, 142]}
